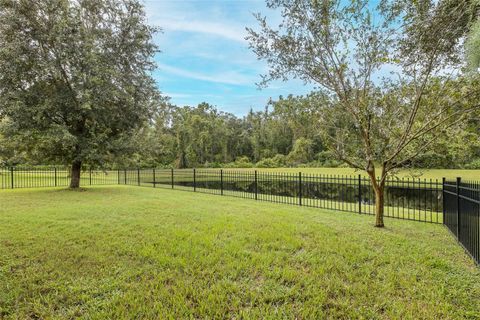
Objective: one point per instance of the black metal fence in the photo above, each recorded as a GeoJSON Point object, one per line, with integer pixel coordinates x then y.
{"type": "Point", "coordinates": [410, 199]}
{"type": "Point", "coordinates": [453, 203]}
{"type": "Point", "coordinates": [462, 213]}
{"type": "Point", "coordinates": [37, 177]}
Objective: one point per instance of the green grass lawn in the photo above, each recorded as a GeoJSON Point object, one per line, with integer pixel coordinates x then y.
{"type": "Point", "coordinates": [46, 178]}
{"type": "Point", "coordinates": [130, 253]}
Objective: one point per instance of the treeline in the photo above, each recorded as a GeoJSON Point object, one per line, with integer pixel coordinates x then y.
{"type": "Point", "coordinates": [284, 134]}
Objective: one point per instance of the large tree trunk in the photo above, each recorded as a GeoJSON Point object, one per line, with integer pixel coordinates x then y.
{"type": "Point", "coordinates": [75, 177]}
{"type": "Point", "coordinates": [182, 160]}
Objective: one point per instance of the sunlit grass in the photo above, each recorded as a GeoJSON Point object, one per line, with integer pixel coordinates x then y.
{"type": "Point", "coordinates": [41, 178]}
{"type": "Point", "coordinates": [128, 252]}
{"type": "Point", "coordinates": [411, 173]}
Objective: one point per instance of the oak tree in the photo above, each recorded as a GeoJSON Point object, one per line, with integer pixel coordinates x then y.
{"type": "Point", "coordinates": [75, 77]}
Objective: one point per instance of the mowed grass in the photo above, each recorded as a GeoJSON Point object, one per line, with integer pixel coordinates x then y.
{"type": "Point", "coordinates": [142, 253]}
{"type": "Point", "coordinates": [32, 179]}
{"type": "Point", "coordinates": [48, 178]}
{"type": "Point", "coordinates": [411, 173]}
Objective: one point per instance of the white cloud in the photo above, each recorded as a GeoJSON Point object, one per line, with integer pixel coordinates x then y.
{"type": "Point", "coordinates": [211, 28]}
{"type": "Point", "coordinates": [205, 57]}
{"type": "Point", "coordinates": [212, 19]}
{"type": "Point", "coordinates": [233, 78]}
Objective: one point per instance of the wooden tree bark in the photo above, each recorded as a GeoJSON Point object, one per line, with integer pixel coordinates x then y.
{"type": "Point", "coordinates": [379, 189]}
{"type": "Point", "coordinates": [379, 206]}
{"type": "Point", "coordinates": [75, 177]}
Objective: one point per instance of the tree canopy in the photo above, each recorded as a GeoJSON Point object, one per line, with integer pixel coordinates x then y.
{"type": "Point", "coordinates": [371, 118]}
{"type": "Point", "coordinates": [75, 77]}
{"type": "Point", "coordinates": [396, 86]}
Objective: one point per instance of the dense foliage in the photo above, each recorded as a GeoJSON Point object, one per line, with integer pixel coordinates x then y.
{"type": "Point", "coordinates": [391, 73]}
{"type": "Point", "coordinates": [285, 134]}
{"type": "Point", "coordinates": [75, 78]}
{"type": "Point", "coordinates": [126, 122]}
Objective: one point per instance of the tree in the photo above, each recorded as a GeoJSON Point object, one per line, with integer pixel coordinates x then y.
{"type": "Point", "coordinates": [75, 77]}
{"type": "Point", "coordinates": [473, 47]}
{"type": "Point", "coordinates": [299, 113]}
{"type": "Point", "coordinates": [393, 87]}
{"type": "Point", "coordinates": [454, 19]}
{"type": "Point", "coordinates": [301, 152]}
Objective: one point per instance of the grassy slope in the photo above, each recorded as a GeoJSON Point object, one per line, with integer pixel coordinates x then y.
{"type": "Point", "coordinates": [125, 252]}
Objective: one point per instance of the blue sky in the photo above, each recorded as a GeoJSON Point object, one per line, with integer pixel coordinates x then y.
{"type": "Point", "coordinates": [205, 57]}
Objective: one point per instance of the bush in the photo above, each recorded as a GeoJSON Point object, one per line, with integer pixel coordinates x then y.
{"type": "Point", "coordinates": [212, 164]}
{"type": "Point", "coordinates": [327, 159]}
{"type": "Point", "coordinates": [277, 161]}
{"type": "Point", "coordinates": [280, 160]}
{"type": "Point", "coordinates": [301, 152]}
{"type": "Point", "coordinates": [432, 160]}
{"type": "Point", "coordinates": [266, 163]}
{"type": "Point", "coordinates": [475, 164]}
{"type": "Point", "coordinates": [242, 162]}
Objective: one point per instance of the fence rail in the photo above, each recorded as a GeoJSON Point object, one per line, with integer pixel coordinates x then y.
{"type": "Point", "coordinates": [38, 177]}
{"type": "Point", "coordinates": [453, 203]}
{"type": "Point", "coordinates": [409, 199]}
{"type": "Point", "coordinates": [462, 213]}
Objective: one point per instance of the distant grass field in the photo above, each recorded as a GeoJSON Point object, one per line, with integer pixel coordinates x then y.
{"type": "Point", "coordinates": [43, 178]}
{"type": "Point", "coordinates": [414, 173]}
{"type": "Point", "coordinates": [141, 253]}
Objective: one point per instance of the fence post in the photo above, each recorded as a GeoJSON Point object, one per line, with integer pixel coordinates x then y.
{"type": "Point", "coordinates": [299, 188]}
{"type": "Point", "coordinates": [125, 175]}
{"type": "Point", "coordinates": [138, 176]}
{"type": "Point", "coordinates": [90, 176]}
{"type": "Point", "coordinates": [194, 180]}
{"type": "Point", "coordinates": [172, 178]}
{"type": "Point", "coordinates": [118, 176]}
{"type": "Point", "coordinates": [11, 177]}
{"type": "Point", "coordinates": [55, 168]}
{"type": "Point", "coordinates": [256, 186]}
{"type": "Point", "coordinates": [221, 182]}
{"type": "Point", "coordinates": [443, 199]}
{"type": "Point", "coordinates": [459, 180]}
{"type": "Point", "coordinates": [360, 194]}
{"type": "Point", "coordinates": [154, 182]}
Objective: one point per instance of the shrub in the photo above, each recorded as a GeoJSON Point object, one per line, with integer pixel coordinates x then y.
{"type": "Point", "coordinates": [433, 160]}
{"type": "Point", "coordinates": [212, 164]}
{"type": "Point", "coordinates": [475, 164]}
{"type": "Point", "coordinates": [266, 163]}
{"type": "Point", "coordinates": [302, 152]}
{"type": "Point", "coordinates": [241, 162]}
{"type": "Point", "coordinates": [278, 161]}
{"type": "Point", "coordinates": [327, 159]}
